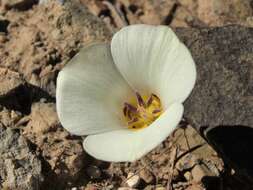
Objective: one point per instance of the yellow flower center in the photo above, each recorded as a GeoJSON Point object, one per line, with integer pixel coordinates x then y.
{"type": "Point", "coordinates": [144, 112]}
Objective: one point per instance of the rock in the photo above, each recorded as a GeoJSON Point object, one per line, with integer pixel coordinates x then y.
{"type": "Point", "coordinates": [43, 119]}
{"type": "Point", "coordinates": [20, 168]}
{"type": "Point", "coordinates": [63, 153]}
{"type": "Point", "coordinates": [155, 187]}
{"type": "Point", "coordinates": [9, 81]}
{"type": "Point", "coordinates": [3, 24]}
{"type": "Point", "coordinates": [186, 162]}
{"type": "Point", "coordinates": [15, 93]}
{"type": "Point", "coordinates": [195, 187]}
{"type": "Point", "coordinates": [199, 171]}
{"type": "Point", "coordinates": [3, 38]}
{"type": "Point", "coordinates": [188, 176]}
{"type": "Point", "coordinates": [160, 188]}
{"type": "Point", "coordinates": [222, 94]}
{"type": "Point", "coordinates": [180, 185]}
{"type": "Point", "coordinates": [91, 187]}
{"type": "Point", "coordinates": [9, 117]}
{"type": "Point", "coordinates": [18, 4]}
{"type": "Point", "coordinates": [147, 176]}
{"type": "Point", "coordinates": [93, 172]}
{"type": "Point", "coordinates": [133, 180]}
{"type": "Point", "coordinates": [149, 187]}
{"type": "Point", "coordinates": [47, 1]}
{"type": "Point", "coordinates": [110, 187]}
{"type": "Point", "coordinates": [218, 13]}
{"type": "Point", "coordinates": [188, 136]}
{"type": "Point", "coordinates": [126, 188]}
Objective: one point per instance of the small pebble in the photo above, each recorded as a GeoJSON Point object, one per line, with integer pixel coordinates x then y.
{"type": "Point", "coordinates": [160, 188]}
{"type": "Point", "coordinates": [199, 171]}
{"type": "Point", "coordinates": [147, 176]}
{"type": "Point", "coordinates": [3, 38]}
{"type": "Point", "coordinates": [186, 162]}
{"type": "Point", "coordinates": [126, 188]}
{"type": "Point", "coordinates": [133, 180]}
{"type": "Point", "coordinates": [93, 172]}
{"type": "Point", "coordinates": [46, 1]}
{"type": "Point", "coordinates": [150, 187]}
{"type": "Point", "coordinates": [188, 176]}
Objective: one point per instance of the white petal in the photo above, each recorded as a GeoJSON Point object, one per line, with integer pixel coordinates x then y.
{"type": "Point", "coordinates": [153, 60]}
{"type": "Point", "coordinates": [90, 92]}
{"type": "Point", "coordinates": [128, 145]}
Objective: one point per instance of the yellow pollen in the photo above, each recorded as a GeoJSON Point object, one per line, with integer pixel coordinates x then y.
{"type": "Point", "coordinates": [143, 113]}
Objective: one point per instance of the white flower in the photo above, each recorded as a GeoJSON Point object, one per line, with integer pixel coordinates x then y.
{"type": "Point", "coordinates": [96, 91]}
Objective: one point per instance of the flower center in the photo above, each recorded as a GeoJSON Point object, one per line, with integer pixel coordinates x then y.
{"type": "Point", "coordinates": [143, 113]}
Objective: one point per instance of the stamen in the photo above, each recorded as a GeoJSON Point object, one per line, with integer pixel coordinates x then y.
{"type": "Point", "coordinates": [125, 111]}
{"type": "Point", "coordinates": [129, 114]}
{"type": "Point", "coordinates": [133, 121]}
{"type": "Point", "coordinates": [150, 100]}
{"type": "Point", "coordinates": [156, 111]}
{"type": "Point", "coordinates": [130, 107]}
{"type": "Point", "coordinates": [144, 113]}
{"type": "Point", "coordinates": [155, 97]}
{"type": "Point", "coordinates": [140, 100]}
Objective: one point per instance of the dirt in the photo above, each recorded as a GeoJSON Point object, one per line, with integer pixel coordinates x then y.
{"type": "Point", "coordinates": [176, 13]}
{"type": "Point", "coordinates": [36, 41]}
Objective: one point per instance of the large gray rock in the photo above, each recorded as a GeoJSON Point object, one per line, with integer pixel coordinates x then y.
{"type": "Point", "coordinates": [223, 94]}
{"type": "Point", "coordinates": [19, 166]}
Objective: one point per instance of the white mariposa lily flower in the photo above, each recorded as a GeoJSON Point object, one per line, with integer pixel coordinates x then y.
{"type": "Point", "coordinates": [96, 92]}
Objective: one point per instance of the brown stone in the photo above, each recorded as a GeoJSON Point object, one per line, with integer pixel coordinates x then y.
{"type": "Point", "coordinates": [199, 171]}
{"type": "Point", "coordinates": [133, 180]}
{"type": "Point", "coordinates": [147, 176]}
{"type": "Point", "coordinates": [9, 118]}
{"type": "Point", "coordinates": [18, 4]}
{"type": "Point", "coordinates": [93, 172]}
{"type": "Point", "coordinates": [188, 176]}
{"type": "Point", "coordinates": [9, 81]}
{"type": "Point", "coordinates": [187, 162]}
